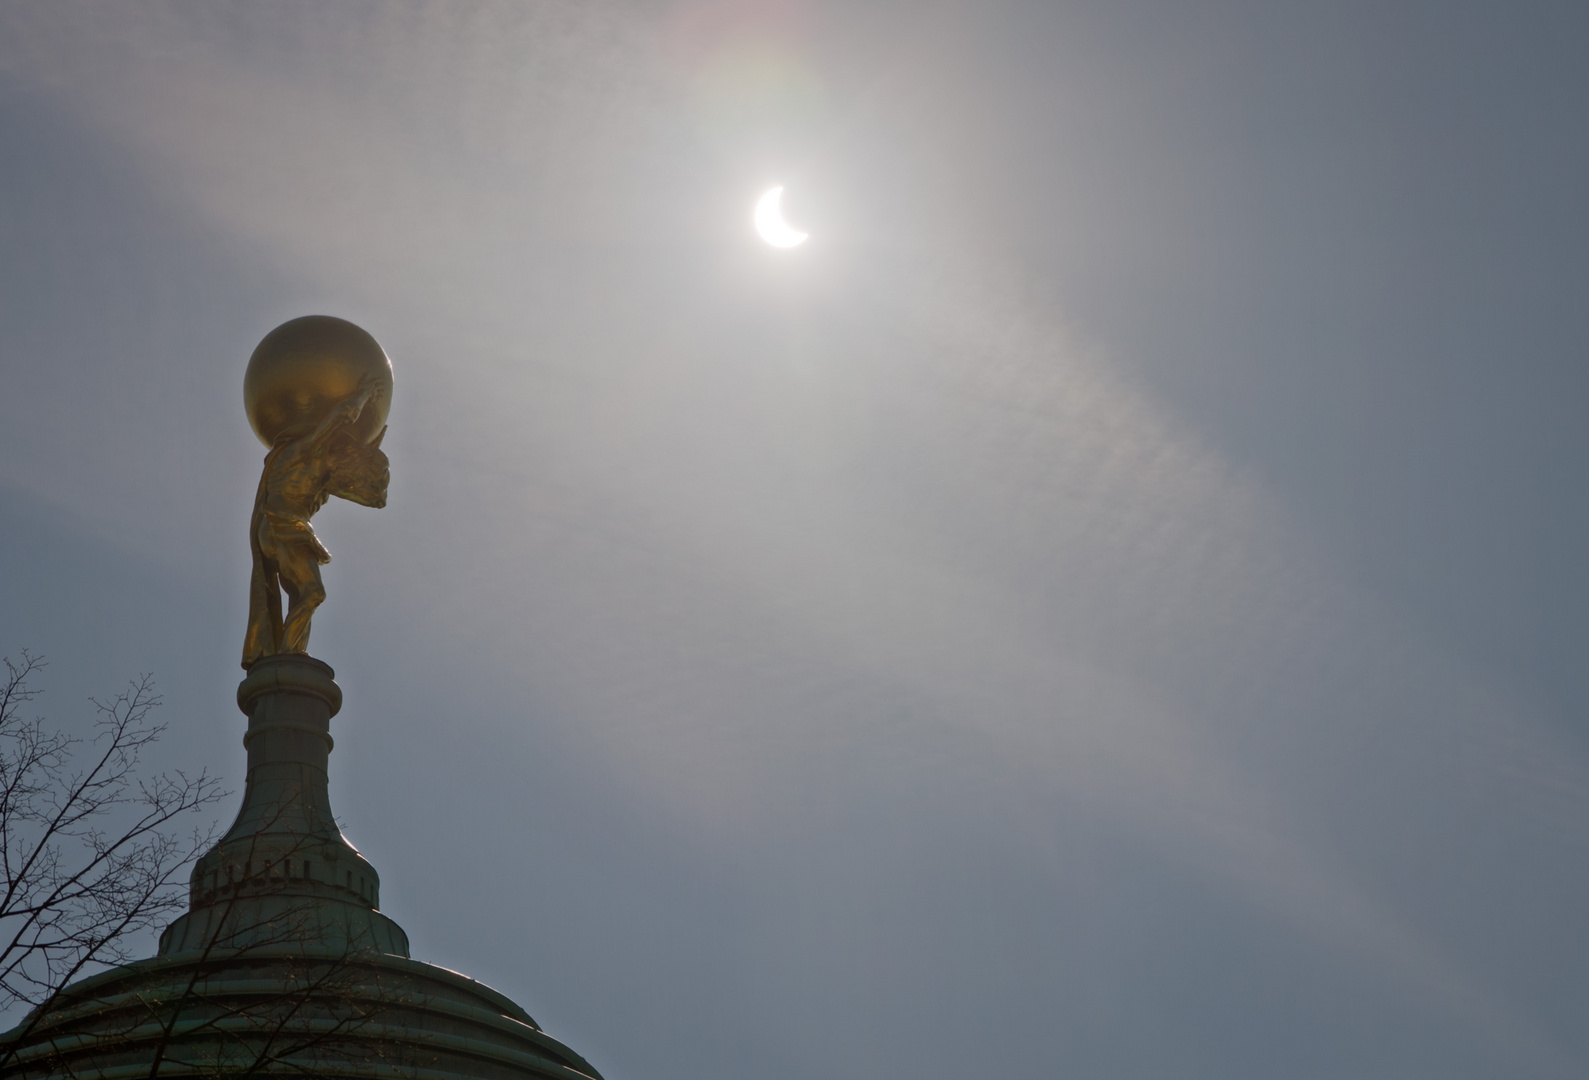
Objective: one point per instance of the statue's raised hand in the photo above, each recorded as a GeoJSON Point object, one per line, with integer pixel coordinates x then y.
{"type": "Point", "coordinates": [350, 409]}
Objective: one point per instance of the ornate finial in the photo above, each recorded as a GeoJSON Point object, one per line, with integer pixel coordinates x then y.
{"type": "Point", "coordinates": [317, 391]}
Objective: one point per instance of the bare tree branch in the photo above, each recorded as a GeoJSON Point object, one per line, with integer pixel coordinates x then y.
{"type": "Point", "coordinates": [90, 853]}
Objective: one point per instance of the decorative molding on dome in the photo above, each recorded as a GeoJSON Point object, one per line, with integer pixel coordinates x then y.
{"type": "Point", "coordinates": [284, 963]}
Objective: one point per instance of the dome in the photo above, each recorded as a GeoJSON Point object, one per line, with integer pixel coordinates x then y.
{"type": "Point", "coordinates": [284, 963]}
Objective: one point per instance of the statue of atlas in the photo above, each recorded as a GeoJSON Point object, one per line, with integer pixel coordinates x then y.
{"type": "Point", "coordinates": [324, 440]}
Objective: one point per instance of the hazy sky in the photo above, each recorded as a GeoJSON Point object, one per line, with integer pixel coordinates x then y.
{"type": "Point", "coordinates": [1112, 604]}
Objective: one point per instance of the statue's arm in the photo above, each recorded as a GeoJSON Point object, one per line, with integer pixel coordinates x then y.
{"type": "Point", "coordinates": [346, 412]}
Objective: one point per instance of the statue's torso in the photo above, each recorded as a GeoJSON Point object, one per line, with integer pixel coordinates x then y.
{"type": "Point", "coordinates": [295, 481]}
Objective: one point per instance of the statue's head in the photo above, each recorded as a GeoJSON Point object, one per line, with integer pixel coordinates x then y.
{"type": "Point", "coordinates": [359, 470]}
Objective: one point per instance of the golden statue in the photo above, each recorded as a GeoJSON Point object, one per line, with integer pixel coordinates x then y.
{"type": "Point", "coordinates": [317, 391]}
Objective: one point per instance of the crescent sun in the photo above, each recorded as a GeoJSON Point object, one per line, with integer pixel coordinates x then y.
{"type": "Point", "coordinates": [770, 222]}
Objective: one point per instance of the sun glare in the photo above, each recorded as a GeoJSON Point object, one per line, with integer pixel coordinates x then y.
{"type": "Point", "coordinates": [771, 225]}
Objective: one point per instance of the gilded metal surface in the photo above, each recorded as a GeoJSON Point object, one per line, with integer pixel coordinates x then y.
{"type": "Point", "coordinates": [317, 392]}
{"type": "Point", "coordinates": [305, 367]}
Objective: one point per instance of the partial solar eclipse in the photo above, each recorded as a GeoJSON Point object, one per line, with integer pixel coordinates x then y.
{"type": "Point", "coordinates": [770, 223]}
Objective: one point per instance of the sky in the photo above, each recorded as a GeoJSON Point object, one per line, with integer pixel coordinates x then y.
{"type": "Point", "coordinates": [1108, 605]}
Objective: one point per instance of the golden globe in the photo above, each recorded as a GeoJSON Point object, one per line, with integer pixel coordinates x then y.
{"type": "Point", "coordinates": [305, 367]}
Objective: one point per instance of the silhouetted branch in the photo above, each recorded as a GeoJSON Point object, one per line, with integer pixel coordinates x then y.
{"type": "Point", "coordinates": [89, 858]}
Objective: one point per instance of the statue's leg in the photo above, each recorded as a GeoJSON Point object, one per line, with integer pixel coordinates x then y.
{"type": "Point", "coordinates": [273, 603]}
{"type": "Point", "coordinates": [300, 580]}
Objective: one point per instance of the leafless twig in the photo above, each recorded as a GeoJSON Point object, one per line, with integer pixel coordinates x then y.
{"type": "Point", "coordinates": [91, 850]}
